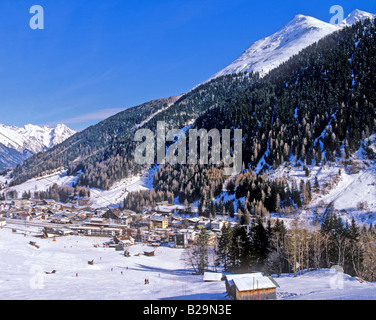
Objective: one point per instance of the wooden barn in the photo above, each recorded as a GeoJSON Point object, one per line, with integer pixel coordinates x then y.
{"type": "Point", "coordinates": [251, 286]}
{"type": "Point", "coordinates": [149, 253]}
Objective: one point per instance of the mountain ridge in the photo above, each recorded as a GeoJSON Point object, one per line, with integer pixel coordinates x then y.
{"type": "Point", "coordinates": [19, 143]}
{"type": "Point", "coordinates": [268, 53]}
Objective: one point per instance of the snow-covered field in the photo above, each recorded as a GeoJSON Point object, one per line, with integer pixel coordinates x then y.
{"type": "Point", "coordinates": [112, 276]}
{"type": "Point", "coordinates": [115, 277]}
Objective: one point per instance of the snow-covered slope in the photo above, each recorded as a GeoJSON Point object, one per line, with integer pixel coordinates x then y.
{"type": "Point", "coordinates": [25, 275]}
{"type": "Point", "coordinates": [356, 16]}
{"type": "Point", "coordinates": [17, 144]}
{"type": "Point", "coordinates": [302, 31]}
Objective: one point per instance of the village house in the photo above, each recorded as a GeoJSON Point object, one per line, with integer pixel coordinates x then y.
{"type": "Point", "coordinates": [21, 203]}
{"type": "Point", "coordinates": [21, 215]}
{"type": "Point", "coordinates": [212, 237]}
{"type": "Point", "coordinates": [50, 203]}
{"type": "Point", "coordinates": [178, 239]}
{"type": "Point", "coordinates": [191, 221]}
{"type": "Point", "coordinates": [140, 220]}
{"type": "Point", "coordinates": [149, 236]}
{"type": "Point", "coordinates": [5, 206]}
{"type": "Point", "coordinates": [113, 214]}
{"type": "Point", "coordinates": [190, 233]}
{"type": "Point", "coordinates": [82, 201]}
{"type": "Point", "coordinates": [61, 218]}
{"type": "Point", "coordinates": [117, 216]}
{"type": "Point", "coordinates": [125, 240]}
{"type": "Point", "coordinates": [158, 222]}
{"type": "Point", "coordinates": [167, 209]}
{"type": "Point", "coordinates": [37, 215]}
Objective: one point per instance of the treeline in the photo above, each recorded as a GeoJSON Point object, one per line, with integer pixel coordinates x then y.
{"type": "Point", "coordinates": [276, 249]}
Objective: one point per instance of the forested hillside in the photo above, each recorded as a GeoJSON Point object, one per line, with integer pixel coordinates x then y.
{"type": "Point", "coordinates": [316, 108]}
{"type": "Point", "coordinates": [103, 152]}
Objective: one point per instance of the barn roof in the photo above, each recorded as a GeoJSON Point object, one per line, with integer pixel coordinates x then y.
{"type": "Point", "coordinates": [212, 276]}
{"type": "Point", "coordinates": [230, 277]}
{"type": "Point", "coordinates": [250, 283]}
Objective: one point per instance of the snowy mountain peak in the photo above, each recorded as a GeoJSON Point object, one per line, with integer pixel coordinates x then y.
{"type": "Point", "coordinates": [17, 144]}
{"type": "Point", "coordinates": [300, 18]}
{"type": "Point", "coordinates": [61, 133]}
{"type": "Point", "coordinates": [302, 31]}
{"type": "Point", "coordinates": [356, 16]}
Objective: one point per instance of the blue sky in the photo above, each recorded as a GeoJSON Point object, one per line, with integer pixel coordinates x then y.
{"type": "Point", "coordinates": [96, 58]}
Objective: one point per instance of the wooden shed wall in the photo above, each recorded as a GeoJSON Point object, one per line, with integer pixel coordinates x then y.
{"type": "Point", "coordinates": [262, 294]}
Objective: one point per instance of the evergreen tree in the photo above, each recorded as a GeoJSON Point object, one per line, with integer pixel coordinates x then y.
{"type": "Point", "coordinates": [224, 246]}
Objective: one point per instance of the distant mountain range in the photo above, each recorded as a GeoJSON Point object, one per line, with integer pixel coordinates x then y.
{"type": "Point", "coordinates": [270, 52]}
{"type": "Point", "coordinates": [18, 144]}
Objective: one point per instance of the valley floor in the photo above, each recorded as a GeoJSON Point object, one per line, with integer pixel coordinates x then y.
{"type": "Point", "coordinates": [25, 275]}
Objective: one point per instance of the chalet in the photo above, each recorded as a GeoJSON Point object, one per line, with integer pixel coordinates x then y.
{"type": "Point", "coordinates": [176, 222]}
{"type": "Point", "coordinates": [149, 236]}
{"type": "Point", "coordinates": [125, 240]}
{"type": "Point", "coordinates": [158, 222]}
{"type": "Point", "coordinates": [21, 203]}
{"type": "Point", "coordinates": [178, 239]}
{"type": "Point", "coordinates": [250, 286]}
{"type": "Point", "coordinates": [22, 215]}
{"type": "Point", "coordinates": [190, 233]}
{"type": "Point", "coordinates": [62, 218]}
{"type": "Point", "coordinates": [50, 203]}
{"type": "Point", "coordinates": [37, 215]}
{"type": "Point", "coordinates": [167, 209]}
{"type": "Point", "coordinates": [113, 214]}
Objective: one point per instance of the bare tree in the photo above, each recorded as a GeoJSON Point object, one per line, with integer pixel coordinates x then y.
{"type": "Point", "coordinates": [368, 269]}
